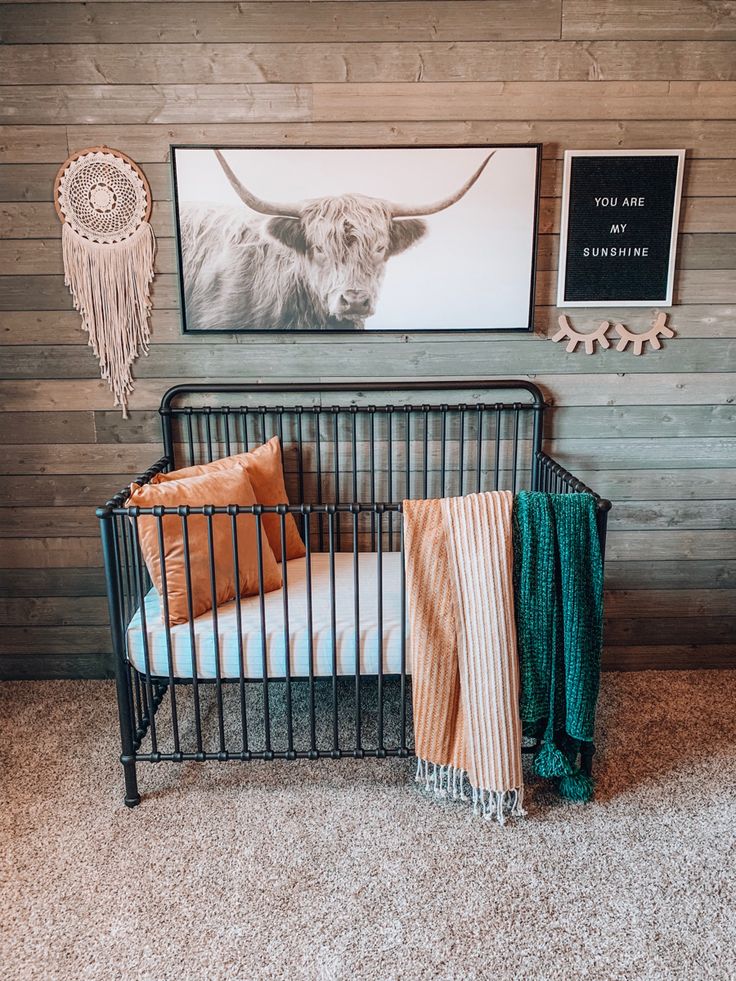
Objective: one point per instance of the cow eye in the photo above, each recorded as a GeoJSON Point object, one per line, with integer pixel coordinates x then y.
{"type": "Point", "coordinates": [380, 248]}
{"type": "Point", "coordinates": [318, 250]}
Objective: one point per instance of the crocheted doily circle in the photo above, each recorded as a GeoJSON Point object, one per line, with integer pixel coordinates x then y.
{"type": "Point", "coordinates": [102, 197]}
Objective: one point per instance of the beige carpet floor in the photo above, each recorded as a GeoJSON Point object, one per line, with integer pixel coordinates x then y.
{"type": "Point", "coordinates": [345, 870]}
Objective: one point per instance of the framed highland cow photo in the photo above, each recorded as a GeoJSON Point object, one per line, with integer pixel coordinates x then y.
{"type": "Point", "coordinates": [403, 239]}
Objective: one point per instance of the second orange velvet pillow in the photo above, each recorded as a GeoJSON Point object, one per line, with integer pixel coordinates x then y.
{"type": "Point", "coordinates": [219, 489]}
{"type": "Point", "coordinates": [266, 473]}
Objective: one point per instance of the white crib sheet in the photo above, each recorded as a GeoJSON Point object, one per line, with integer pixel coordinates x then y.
{"type": "Point", "coordinates": [345, 641]}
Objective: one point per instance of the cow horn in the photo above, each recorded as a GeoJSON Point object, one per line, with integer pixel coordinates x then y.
{"type": "Point", "coordinates": [406, 211]}
{"type": "Point", "coordinates": [256, 204]}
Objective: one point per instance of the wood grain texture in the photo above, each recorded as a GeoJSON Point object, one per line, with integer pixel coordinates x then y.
{"type": "Point", "coordinates": [660, 19]}
{"type": "Point", "coordinates": [585, 389]}
{"type": "Point", "coordinates": [657, 434]}
{"type": "Point", "coordinates": [380, 20]}
{"type": "Point", "coordinates": [352, 101]}
{"type": "Point", "coordinates": [710, 138]}
{"type": "Point", "coordinates": [343, 359]}
{"type": "Point", "coordinates": [203, 63]}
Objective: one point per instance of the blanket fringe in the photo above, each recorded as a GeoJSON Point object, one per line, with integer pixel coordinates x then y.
{"type": "Point", "coordinates": [450, 781]}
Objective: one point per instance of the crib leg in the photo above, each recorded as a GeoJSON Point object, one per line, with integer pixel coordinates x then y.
{"type": "Point", "coordinates": [587, 751]}
{"type": "Point", "coordinates": [132, 797]}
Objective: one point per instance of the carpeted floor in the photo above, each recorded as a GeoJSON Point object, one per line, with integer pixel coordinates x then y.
{"type": "Point", "coordinates": [345, 870]}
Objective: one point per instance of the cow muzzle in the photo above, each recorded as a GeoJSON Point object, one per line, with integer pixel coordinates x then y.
{"type": "Point", "coordinates": [353, 304]}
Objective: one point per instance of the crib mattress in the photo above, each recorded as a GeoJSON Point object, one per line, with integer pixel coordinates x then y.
{"type": "Point", "coordinates": [371, 641]}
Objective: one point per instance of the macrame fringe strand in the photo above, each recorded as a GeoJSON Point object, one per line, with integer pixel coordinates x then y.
{"type": "Point", "coordinates": [450, 781]}
{"type": "Point", "coordinates": [110, 286]}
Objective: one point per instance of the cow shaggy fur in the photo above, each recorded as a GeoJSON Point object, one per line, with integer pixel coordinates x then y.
{"type": "Point", "coordinates": [243, 271]}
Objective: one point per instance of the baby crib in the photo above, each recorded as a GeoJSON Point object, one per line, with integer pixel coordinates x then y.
{"type": "Point", "coordinates": [320, 667]}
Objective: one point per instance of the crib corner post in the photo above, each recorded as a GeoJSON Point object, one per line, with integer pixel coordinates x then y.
{"type": "Point", "coordinates": [110, 555]}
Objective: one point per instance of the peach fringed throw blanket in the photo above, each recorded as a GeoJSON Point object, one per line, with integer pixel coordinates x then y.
{"type": "Point", "coordinates": [462, 638]}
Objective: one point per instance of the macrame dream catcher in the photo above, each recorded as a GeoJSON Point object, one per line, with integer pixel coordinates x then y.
{"type": "Point", "coordinates": [104, 202]}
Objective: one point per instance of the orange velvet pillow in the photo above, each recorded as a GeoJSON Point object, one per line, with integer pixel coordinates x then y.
{"type": "Point", "coordinates": [266, 473]}
{"type": "Point", "coordinates": [218, 489]}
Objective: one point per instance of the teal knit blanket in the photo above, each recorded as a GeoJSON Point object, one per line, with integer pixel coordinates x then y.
{"type": "Point", "coordinates": [558, 587]}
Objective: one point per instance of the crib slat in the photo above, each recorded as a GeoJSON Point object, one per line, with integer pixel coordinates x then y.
{"type": "Point", "coordinates": [402, 722]}
{"type": "Point", "coordinates": [390, 420]}
{"type": "Point", "coordinates": [479, 448]}
{"type": "Point", "coordinates": [379, 619]}
{"type": "Point", "coordinates": [515, 453]}
{"type": "Point", "coordinates": [150, 707]}
{"type": "Point", "coordinates": [335, 415]}
{"type": "Point", "coordinates": [497, 449]}
{"type": "Point", "coordinates": [407, 450]}
{"type": "Point", "coordinates": [462, 449]}
{"type": "Point", "coordinates": [318, 445]}
{"type": "Point", "coordinates": [333, 629]}
{"type": "Point", "coordinates": [192, 637]}
{"type": "Point", "coordinates": [287, 638]}
{"type": "Point", "coordinates": [356, 628]}
{"type": "Point", "coordinates": [310, 639]}
{"type": "Point", "coordinates": [239, 628]}
{"type": "Point", "coordinates": [215, 632]}
{"type": "Point", "coordinates": [372, 417]}
{"type": "Point", "coordinates": [443, 461]}
{"type": "Point", "coordinates": [264, 648]}
{"type": "Point", "coordinates": [167, 629]}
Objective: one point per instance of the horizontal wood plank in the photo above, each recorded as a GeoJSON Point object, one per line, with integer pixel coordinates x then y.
{"type": "Point", "coordinates": [645, 546]}
{"type": "Point", "coordinates": [66, 611]}
{"type": "Point", "coordinates": [660, 19]}
{"type": "Point", "coordinates": [668, 657]}
{"type": "Point", "coordinates": [55, 640]}
{"type": "Point", "coordinates": [672, 574]}
{"type": "Point", "coordinates": [36, 666]}
{"type": "Point", "coordinates": [349, 101]}
{"type": "Point", "coordinates": [622, 604]}
{"type": "Point", "coordinates": [64, 581]}
{"type": "Point", "coordinates": [663, 388]}
{"type": "Point", "coordinates": [55, 491]}
{"type": "Point", "coordinates": [51, 553]}
{"type": "Point", "coordinates": [381, 20]}
{"type": "Point", "coordinates": [710, 138]}
{"type": "Point", "coordinates": [647, 515]}
{"type": "Point", "coordinates": [412, 61]}
{"type": "Point", "coordinates": [55, 327]}
{"type": "Point", "coordinates": [281, 359]}
{"type": "Point", "coordinates": [33, 182]}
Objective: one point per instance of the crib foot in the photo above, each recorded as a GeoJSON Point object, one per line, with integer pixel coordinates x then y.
{"type": "Point", "coordinates": [132, 797]}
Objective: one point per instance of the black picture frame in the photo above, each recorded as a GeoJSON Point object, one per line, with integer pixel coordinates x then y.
{"type": "Point", "coordinates": [527, 327]}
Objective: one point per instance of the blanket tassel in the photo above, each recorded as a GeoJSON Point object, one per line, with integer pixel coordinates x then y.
{"type": "Point", "coordinates": [447, 780]}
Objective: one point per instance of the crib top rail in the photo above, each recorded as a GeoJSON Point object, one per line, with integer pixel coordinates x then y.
{"type": "Point", "coordinates": [359, 437]}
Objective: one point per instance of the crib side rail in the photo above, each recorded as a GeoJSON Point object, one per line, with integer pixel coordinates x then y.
{"type": "Point", "coordinates": [337, 724]}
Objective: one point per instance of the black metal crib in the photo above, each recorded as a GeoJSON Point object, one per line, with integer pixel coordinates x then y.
{"type": "Point", "coordinates": [351, 453]}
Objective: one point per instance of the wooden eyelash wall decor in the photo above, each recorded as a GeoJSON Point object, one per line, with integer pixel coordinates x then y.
{"type": "Point", "coordinates": [658, 329]}
{"type": "Point", "coordinates": [574, 337]}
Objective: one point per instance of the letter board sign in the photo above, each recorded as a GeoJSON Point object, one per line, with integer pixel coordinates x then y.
{"type": "Point", "coordinates": [618, 238]}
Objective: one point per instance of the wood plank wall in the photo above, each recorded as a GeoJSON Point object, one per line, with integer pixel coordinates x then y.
{"type": "Point", "coordinates": [656, 433]}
